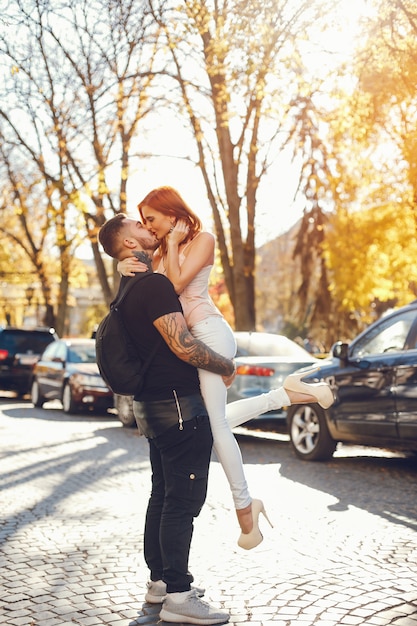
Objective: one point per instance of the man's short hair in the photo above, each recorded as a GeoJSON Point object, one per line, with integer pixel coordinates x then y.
{"type": "Point", "coordinates": [109, 235]}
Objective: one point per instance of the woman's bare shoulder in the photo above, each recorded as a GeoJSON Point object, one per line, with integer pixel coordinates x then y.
{"type": "Point", "coordinates": [201, 247]}
{"type": "Point", "coordinates": [205, 236]}
{"type": "Point", "coordinates": [208, 234]}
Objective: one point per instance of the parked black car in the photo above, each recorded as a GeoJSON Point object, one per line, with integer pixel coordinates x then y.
{"type": "Point", "coordinates": [68, 371]}
{"type": "Point", "coordinates": [20, 348]}
{"type": "Point", "coordinates": [374, 381]}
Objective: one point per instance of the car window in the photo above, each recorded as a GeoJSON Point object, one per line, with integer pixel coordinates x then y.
{"type": "Point", "coordinates": [82, 353]}
{"type": "Point", "coordinates": [24, 341]}
{"type": "Point", "coordinates": [388, 336]}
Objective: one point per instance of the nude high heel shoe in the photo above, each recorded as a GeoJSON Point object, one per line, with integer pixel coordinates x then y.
{"type": "Point", "coordinates": [247, 541]}
{"type": "Point", "coordinates": [320, 391]}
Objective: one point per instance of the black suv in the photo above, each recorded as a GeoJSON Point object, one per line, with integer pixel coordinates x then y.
{"type": "Point", "coordinates": [374, 382]}
{"type": "Point", "coordinates": [20, 348]}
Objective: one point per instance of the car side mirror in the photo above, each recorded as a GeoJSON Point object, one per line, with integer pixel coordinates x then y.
{"type": "Point", "coordinates": [341, 350]}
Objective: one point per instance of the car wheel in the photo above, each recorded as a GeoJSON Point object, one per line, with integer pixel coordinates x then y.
{"type": "Point", "coordinates": [309, 435]}
{"type": "Point", "coordinates": [37, 398]}
{"type": "Point", "coordinates": [124, 407]}
{"type": "Point", "coordinates": [68, 403]}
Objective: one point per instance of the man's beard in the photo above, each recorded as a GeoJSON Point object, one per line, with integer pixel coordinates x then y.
{"type": "Point", "coordinates": [145, 255]}
{"type": "Point", "coordinates": [147, 247]}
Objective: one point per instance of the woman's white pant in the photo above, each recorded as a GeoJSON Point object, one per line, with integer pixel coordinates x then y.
{"type": "Point", "coordinates": [216, 333]}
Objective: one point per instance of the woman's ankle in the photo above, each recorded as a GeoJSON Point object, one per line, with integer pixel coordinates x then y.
{"type": "Point", "coordinates": [244, 517]}
{"type": "Point", "coordinates": [277, 398]}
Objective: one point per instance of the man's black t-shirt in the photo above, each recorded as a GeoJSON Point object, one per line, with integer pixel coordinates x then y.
{"type": "Point", "coordinates": [149, 299]}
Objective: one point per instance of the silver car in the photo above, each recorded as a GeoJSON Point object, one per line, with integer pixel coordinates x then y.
{"type": "Point", "coordinates": [263, 361]}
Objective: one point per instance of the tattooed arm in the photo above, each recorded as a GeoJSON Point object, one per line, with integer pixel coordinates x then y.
{"type": "Point", "coordinates": [180, 341]}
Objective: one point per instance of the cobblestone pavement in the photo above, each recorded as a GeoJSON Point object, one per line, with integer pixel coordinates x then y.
{"type": "Point", "coordinates": [72, 502]}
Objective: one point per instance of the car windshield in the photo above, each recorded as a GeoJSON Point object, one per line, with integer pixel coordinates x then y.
{"type": "Point", "coordinates": [82, 353]}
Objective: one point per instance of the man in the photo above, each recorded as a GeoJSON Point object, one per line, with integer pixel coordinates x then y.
{"type": "Point", "coordinates": [171, 413]}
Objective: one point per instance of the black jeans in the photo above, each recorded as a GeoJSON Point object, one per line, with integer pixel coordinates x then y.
{"type": "Point", "coordinates": [180, 463]}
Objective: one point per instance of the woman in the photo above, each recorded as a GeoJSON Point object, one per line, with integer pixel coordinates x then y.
{"type": "Point", "coordinates": [186, 257]}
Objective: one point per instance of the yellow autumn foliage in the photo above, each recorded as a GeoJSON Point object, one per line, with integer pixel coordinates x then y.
{"type": "Point", "coordinates": [371, 255]}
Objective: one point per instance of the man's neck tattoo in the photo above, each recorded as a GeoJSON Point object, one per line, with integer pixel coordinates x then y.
{"type": "Point", "coordinates": [144, 258]}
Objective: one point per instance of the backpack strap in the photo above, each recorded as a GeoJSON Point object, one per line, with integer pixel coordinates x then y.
{"type": "Point", "coordinates": [121, 296]}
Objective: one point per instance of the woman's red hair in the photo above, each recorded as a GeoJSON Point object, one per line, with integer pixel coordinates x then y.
{"type": "Point", "coordinates": [168, 201]}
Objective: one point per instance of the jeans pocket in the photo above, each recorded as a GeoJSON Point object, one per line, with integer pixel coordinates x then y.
{"type": "Point", "coordinates": [191, 483]}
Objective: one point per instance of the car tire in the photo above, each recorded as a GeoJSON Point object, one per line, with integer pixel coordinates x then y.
{"type": "Point", "coordinates": [124, 408]}
{"type": "Point", "coordinates": [35, 395]}
{"type": "Point", "coordinates": [68, 404]}
{"type": "Point", "coordinates": [309, 435]}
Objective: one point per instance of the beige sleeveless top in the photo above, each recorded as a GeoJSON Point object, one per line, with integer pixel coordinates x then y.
{"type": "Point", "coordinates": [195, 299]}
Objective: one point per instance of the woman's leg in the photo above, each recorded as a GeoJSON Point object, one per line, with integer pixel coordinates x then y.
{"type": "Point", "coordinates": [217, 334]}
{"type": "Point", "coordinates": [241, 411]}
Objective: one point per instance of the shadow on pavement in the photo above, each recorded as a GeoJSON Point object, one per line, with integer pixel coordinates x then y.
{"type": "Point", "coordinates": [366, 478]}
{"type": "Point", "coordinates": [66, 469]}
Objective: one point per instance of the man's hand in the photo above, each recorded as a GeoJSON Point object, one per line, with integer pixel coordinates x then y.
{"type": "Point", "coordinates": [228, 380]}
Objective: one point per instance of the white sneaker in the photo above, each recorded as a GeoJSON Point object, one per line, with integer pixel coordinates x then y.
{"type": "Point", "coordinates": [193, 610]}
{"type": "Point", "coordinates": [157, 591]}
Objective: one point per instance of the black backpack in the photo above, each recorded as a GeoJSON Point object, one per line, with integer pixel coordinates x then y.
{"type": "Point", "coordinates": [118, 361]}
